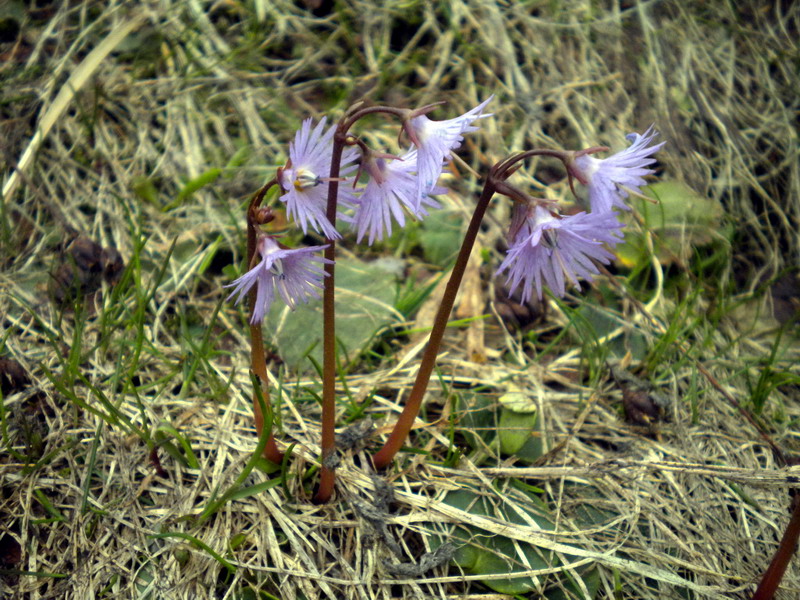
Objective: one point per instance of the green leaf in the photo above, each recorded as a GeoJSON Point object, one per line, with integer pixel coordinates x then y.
{"type": "Point", "coordinates": [487, 554]}
{"type": "Point", "coordinates": [411, 296]}
{"type": "Point", "coordinates": [197, 543]}
{"type": "Point", "coordinates": [515, 429]}
{"type": "Point", "coordinates": [194, 185]}
{"type": "Point", "coordinates": [145, 189]}
{"type": "Point", "coordinates": [163, 431]}
{"type": "Point", "coordinates": [602, 323]}
{"type": "Point", "coordinates": [681, 220]}
{"type": "Point", "coordinates": [239, 158]}
{"type": "Point", "coordinates": [440, 236]}
{"type": "Point", "coordinates": [484, 553]}
{"type": "Point", "coordinates": [478, 424]}
{"type": "Point", "coordinates": [255, 490]}
{"type": "Point", "coordinates": [365, 294]}
{"type": "Point", "coordinates": [518, 399]}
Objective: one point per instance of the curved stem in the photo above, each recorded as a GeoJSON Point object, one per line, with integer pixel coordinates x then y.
{"type": "Point", "coordinates": [494, 183]}
{"type": "Point", "coordinates": [328, 442]}
{"type": "Point", "coordinates": [385, 455]}
{"type": "Point", "coordinates": [351, 117]}
{"type": "Point", "coordinates": [258, 199]}
{"type": "Point", "coordinates": [502, 169]}
{"type": "Point", "coordinates": [327, 476]}
{"type": "Point", "coordinates": [786, 549]}
{"type": "Point", "coordinates": [258, 361]}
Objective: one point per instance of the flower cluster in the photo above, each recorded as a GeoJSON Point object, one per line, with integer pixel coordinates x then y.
{"type": "Point", "coordinates": [546, 247]}
{"type": "Point", "coordinates": [395, 183]}
{"type": "Point", "coordinates": [332, 176]}
{"type": "Point", "coordinates": [396, 186]}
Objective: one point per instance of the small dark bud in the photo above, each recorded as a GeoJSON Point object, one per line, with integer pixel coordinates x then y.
{"type": "Point", "coordinates": [643, 405]}
{"type": "Point", "coordinates": [264, 215]}
{"type": "Point", "coordinates": [639, 407]}
{"type": "Point", "coordinates": [515, 315]}
{"type": "Point", "coordinates": [113, 265]}
{"type": "Point", "coordinates": [83, 266]}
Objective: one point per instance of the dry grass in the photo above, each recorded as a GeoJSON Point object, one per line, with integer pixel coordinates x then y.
{"type": "Point", "coordinates": [107, 128]}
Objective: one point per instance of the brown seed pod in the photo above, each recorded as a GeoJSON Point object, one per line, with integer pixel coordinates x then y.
{"type": "Point", "coordinates": [639, 407]}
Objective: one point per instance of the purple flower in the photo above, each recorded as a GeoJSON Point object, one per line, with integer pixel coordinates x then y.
{"type": "Point", "coordinates": [293, 272]}
{"type": "Point", "coordinates": [434, 141]}
{"type": "Point", "coordinates": [549, 249]}
{"type": "Point", "coordinates": [391, 188]}
{"type": "Point", "coordinates": [626, 168]}
{"type": "Point", "coordinates": [305, 179]}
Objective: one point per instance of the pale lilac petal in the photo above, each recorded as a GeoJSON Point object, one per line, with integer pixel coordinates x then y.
{"type": "Point", "coordinates": [435, 140]}
{"type": "Point", "coordinates": [294, 272]}
{"type": "Point", "coordinates": [304, 182]}
{"type": "Point", "coordinates": [548, 250]}
{"type": "Point", "coordinates": [391, 191]}
{"type": "Point", "coordinates": [626, 168]}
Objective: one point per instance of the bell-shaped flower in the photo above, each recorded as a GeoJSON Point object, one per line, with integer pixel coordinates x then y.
{"type": "Point", "coordinates": [548, 249]}
{"type": "Point", "coordinates": [305, 178]}
{"type": "Point", "coordinates": [607, 178]}
{"type": "Point", "coordinates": [391, 190]}
{"type": "Point", "coordinates": [295, 273]}
{"type": "Point", "coordinates": [435, 139]}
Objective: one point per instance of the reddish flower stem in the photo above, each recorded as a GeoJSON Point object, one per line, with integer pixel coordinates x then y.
{"type": "Point", "coordinates": [786, 549]}
{"type": "Point", "coordinates": [327, 475]}
{"type": "Point", "coordinates": [494, 183]}
{"type": "Point", "coordinates": [385, 455]}
{"type": "Point", "coordinates": [259, 365]}
{"type": "Point", "coordinates": [258, 361]}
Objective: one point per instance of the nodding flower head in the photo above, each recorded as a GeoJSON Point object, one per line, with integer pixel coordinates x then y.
{"type": "Point", "coordinates": [435, 139]}
{"type": "Point", "coordinates": [392, 190]}
{"type": "Point", "coordinates": [296, 273]}
{"type": "Point", "coordinates": [305, 179]}
{"type": "Point", "coordinates": [553, 250]}
{"type": "Point", "coordinates": [607, 178]}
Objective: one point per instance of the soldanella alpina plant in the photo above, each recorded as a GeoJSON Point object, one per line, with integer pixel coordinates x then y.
{"type": "Point", "coordinates": [334, 176]}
